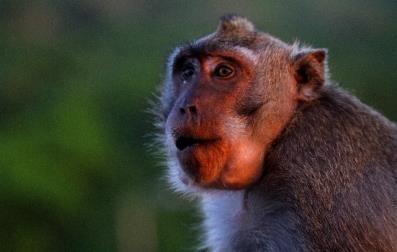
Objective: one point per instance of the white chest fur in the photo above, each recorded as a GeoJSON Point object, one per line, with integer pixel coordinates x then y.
{"type": "Point", "coordinates": [223, 212]}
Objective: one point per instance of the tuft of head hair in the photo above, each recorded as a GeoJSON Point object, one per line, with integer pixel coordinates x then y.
{"type": "Point", "coordinates": [232, 23]}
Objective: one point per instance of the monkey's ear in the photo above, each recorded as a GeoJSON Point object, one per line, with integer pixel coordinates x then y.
{"type": "Point", "coordinates": [233, 23]}
{"type": "Point", "coordinates": [310, 68]}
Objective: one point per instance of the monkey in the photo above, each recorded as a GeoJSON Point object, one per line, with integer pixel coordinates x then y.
{"type": "Point", "coordinates": [279, 157]}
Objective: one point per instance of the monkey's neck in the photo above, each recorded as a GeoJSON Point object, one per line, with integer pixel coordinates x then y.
{"type": "Point", "coordinates": [223, 211]}
{"type": "Point", "coordinates": [325, 150]}
{"type": "Point", "coordinates": [334, 134]}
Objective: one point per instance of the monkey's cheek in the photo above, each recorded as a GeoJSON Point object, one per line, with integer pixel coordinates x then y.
{"type": "Point", "coordinates": [244, 167]}
{"type": "Point", "coordinates": [203, 164]}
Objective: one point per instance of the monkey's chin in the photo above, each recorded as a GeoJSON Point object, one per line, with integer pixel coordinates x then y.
{"type": "Point", "coordinates": [203, 162]}
{"type": "Point", "coordinates": [222, 164]}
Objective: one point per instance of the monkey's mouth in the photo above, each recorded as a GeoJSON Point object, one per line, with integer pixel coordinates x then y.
{"type": "Point", "coordinates": [185, 142]}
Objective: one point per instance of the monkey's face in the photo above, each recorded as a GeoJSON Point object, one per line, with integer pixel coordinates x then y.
{"type": "Point", "coordinates": [223, 116]}
{"type": "Point", "coordinates": [227, 97]}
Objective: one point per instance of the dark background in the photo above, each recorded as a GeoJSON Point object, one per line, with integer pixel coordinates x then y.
{"type": "Point", "coordinates": [75, 80]}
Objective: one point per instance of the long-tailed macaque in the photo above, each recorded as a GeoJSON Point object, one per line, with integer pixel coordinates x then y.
{"type": "Point", "coordinates": [280, 158]}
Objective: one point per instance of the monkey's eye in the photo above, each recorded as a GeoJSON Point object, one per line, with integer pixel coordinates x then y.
{"type": "Point", "coordinates": [224, 71]}
{"type": "Point", "coordinates": [187, 72]}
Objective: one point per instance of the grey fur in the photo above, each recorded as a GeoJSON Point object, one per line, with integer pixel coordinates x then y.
{"type": "Point", "coordinates": [330, 178]}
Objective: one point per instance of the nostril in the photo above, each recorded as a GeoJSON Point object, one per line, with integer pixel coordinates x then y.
{"type": "Point", "coordinates": [190, 109]}
{"type": "Point", "coordinates": [193, 109]}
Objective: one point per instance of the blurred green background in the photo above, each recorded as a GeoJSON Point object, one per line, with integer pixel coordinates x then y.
{"type": "Point", "coordinates": [75, 80]}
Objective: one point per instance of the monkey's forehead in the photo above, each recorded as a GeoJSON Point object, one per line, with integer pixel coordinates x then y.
{"type": "Point", "coordinates": [234, 34]}
{"type": "Point", "coordinates": [227, 38]}
{"type": "Point", "coordinates": [201, 47]}
{"type": "Point", "coordinates": [212, 48]}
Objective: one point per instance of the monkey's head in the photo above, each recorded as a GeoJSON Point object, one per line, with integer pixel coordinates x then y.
{"type": "Point", "coordinates": [226, 99]}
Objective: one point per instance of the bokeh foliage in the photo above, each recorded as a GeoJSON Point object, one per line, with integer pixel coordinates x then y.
{"type": "Point", "coordinates": [75, 80]}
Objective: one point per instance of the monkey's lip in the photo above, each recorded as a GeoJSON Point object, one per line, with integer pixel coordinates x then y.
{"type": "Point", "coordinates": [187, 142]}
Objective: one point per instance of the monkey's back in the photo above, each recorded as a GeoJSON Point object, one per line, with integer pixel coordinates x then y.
{"type": "Point", "coordinates": [335, 166]}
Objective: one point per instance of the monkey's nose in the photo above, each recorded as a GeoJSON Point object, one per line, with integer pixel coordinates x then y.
{"type": "Point", "coordinates": [190, 109]}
